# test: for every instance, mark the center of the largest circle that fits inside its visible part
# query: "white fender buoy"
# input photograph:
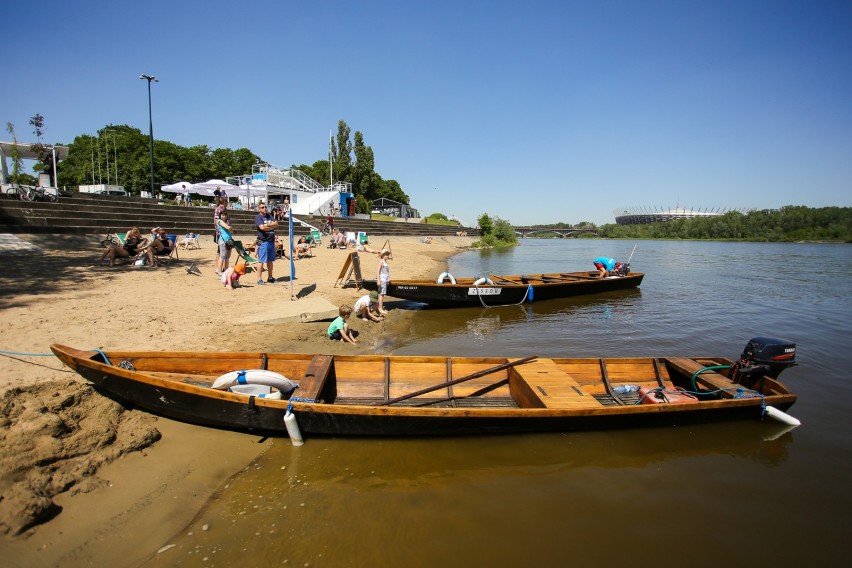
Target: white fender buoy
(255, 377)
(782, 416)
(293, 429)
(483, 280)
(446, 275)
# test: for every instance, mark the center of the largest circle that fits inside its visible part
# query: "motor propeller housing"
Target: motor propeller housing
(765, 356)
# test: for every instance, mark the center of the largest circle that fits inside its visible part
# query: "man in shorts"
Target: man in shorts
(606, 265)
(266, 226)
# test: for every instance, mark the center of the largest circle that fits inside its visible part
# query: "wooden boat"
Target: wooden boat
(449, 292)
(362, 395)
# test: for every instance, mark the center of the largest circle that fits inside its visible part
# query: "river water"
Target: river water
(742, 493)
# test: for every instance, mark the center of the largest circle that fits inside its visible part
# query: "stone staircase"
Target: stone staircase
(91, 214)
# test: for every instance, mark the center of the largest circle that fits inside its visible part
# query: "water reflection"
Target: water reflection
(389, 502)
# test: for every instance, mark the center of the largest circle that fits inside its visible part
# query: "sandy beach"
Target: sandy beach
(88, 482)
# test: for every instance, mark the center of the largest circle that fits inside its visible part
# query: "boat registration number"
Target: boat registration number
(483, 291)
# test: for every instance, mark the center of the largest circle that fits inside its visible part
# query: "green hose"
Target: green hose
(698, 372)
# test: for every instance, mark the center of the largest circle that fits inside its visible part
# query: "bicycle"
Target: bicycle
(30, 193)
(110, 240)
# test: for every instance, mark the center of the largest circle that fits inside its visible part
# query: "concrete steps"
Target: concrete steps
(89, 214)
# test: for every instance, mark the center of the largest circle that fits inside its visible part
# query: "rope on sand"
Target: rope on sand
(26, 354)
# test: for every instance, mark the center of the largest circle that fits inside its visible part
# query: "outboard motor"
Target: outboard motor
(763, 356)
(622, 269)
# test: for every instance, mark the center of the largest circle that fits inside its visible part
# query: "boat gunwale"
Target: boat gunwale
(68, 353)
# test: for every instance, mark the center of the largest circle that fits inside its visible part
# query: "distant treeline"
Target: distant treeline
(788, 224)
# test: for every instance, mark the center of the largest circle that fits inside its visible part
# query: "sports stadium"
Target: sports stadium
(641, 215)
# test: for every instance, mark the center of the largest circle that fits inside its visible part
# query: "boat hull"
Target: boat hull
(193, 403)
(505, 290)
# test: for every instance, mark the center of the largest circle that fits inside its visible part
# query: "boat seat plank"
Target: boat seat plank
(319, 374)
(542, 384)
(185, 378)
(709, 379)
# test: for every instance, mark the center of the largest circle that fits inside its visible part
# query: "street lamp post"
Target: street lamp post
(150, 78)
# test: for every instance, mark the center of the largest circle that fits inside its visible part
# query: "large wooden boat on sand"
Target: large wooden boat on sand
(365, 395)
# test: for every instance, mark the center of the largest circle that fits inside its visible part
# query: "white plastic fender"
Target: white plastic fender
(255, 377)
(446, 275)
(782, 416)
(293, 429)
(483, 280)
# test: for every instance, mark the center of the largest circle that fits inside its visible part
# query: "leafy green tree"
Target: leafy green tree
(486, 225)
(363, 180)
(363, 205)
(17, 162)
(342, 152)
(495, 232)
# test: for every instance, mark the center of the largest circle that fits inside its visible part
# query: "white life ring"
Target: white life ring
(483, 280)
(446, 275)
(255, 377)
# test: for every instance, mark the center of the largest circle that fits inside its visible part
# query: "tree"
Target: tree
(485, 224)
(16, 155)
(362, 178)
(342, 152)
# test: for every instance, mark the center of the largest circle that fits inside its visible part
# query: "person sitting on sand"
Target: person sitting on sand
(133, 242)
(366, 304)
(339, 329)
(231, 276)
(366, 248)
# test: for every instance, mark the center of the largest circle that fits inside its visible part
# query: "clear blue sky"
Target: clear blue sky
(535, 112)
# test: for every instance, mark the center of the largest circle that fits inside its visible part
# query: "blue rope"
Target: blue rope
(106, 359)
(297, 399)
(27, 354)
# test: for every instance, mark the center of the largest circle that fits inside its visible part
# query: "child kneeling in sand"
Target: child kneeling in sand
(366, 304)
(339, 329)
(231, 277)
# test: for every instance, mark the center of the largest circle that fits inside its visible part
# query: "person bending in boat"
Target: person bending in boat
(339, 329)
(606, 265)
(366, 304)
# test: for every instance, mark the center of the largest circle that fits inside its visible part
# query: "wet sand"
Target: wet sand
(86, 481)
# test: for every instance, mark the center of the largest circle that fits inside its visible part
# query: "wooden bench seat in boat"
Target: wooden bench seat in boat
(708, 379)
(319, 382)
(542, 384)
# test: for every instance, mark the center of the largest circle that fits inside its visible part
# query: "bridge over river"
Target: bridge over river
(561, 232)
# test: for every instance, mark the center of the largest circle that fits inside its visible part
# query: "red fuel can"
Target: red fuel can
(667, 396)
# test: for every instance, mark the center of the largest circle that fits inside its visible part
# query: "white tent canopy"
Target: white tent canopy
(178, 187)
(208, 187)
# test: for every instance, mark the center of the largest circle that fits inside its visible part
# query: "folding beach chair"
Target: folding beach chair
(362, 238)
(190, 241)
(315, 238)
(243, 254)
(166, 257)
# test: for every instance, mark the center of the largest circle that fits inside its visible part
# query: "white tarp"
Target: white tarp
(179, 187)
(208, 187)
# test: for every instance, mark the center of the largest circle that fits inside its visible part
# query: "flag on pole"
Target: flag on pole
(292, 264)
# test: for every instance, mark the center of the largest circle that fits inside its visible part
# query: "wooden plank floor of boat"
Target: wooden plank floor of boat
(548, 386)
